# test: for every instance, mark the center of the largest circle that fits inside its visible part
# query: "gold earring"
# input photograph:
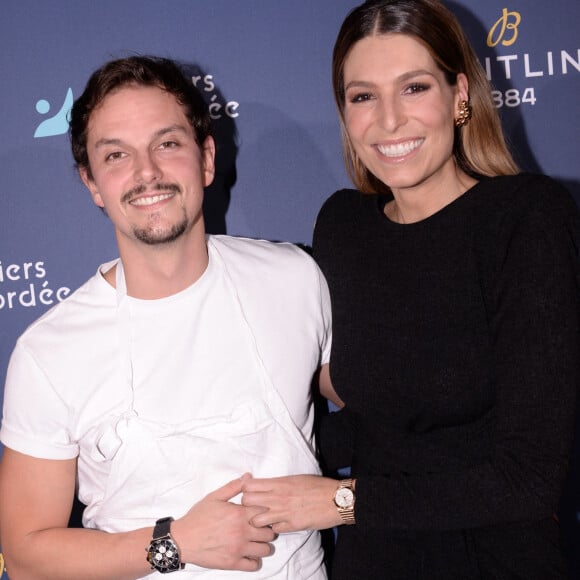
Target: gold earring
(465, 112)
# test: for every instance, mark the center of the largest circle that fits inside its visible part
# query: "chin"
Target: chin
(401, 184)
(154, 237)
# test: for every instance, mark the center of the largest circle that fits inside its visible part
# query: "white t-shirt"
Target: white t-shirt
(88, 364)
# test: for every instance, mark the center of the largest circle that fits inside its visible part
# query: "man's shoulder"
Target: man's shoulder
(265, 265)
(264, 253)
(60, 321)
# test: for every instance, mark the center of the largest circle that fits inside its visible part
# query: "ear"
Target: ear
(208, 161)
(91, 186)
(461, 90)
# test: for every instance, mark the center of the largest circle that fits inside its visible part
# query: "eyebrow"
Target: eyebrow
(402, 78)
(160, 133)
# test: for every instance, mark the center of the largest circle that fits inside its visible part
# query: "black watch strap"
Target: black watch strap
(162, 527)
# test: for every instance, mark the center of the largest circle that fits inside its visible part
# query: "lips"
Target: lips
(151, 199)
(401, 149)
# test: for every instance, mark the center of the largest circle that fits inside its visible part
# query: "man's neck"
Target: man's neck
(153, 272)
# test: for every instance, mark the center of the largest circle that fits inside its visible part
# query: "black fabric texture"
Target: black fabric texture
(456, 348)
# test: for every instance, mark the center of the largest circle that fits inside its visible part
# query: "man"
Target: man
(169, 374)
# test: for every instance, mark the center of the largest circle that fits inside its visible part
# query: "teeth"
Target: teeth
(151, 200)
(399, 149)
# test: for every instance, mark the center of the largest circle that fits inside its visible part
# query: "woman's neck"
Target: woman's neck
(414, 204)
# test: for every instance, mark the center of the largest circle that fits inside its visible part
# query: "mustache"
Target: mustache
(139, 189)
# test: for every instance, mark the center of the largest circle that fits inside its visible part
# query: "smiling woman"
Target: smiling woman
(456, 322)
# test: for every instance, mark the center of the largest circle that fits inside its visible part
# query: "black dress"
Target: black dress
(456, 348)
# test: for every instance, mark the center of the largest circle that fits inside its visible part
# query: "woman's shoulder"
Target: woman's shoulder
(336, 207)
(341, 199)
(524, 190)
(511, 198)
(336, 220)
(521, 205)
(346, 204)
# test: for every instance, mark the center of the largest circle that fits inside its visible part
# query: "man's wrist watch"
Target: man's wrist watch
(163, 553)
(344, 499)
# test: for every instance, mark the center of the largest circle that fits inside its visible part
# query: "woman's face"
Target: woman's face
(399, 113)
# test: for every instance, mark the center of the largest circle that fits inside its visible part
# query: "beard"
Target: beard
(154, 234)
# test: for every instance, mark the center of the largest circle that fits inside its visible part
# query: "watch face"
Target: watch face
(163, 555)
(344, 497)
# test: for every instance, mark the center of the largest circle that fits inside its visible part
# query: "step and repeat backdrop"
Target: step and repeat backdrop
(264, 68)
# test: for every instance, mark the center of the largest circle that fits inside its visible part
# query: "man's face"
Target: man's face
(148, 172)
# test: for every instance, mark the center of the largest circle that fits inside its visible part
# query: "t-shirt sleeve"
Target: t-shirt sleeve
(535, 334)
(34, 416)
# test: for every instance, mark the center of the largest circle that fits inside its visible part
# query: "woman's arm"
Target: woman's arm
(535, 335)
(326, 388)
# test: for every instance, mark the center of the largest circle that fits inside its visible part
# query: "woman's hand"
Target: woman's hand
(295, 502)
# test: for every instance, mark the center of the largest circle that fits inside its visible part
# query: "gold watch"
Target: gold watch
(344, 499)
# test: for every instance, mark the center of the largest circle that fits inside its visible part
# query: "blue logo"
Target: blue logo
(57, 124)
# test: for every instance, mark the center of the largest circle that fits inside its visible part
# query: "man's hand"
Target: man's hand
(35, 503)
(216, 533)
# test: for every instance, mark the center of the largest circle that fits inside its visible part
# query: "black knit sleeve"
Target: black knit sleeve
(336, 429)
(336, 440)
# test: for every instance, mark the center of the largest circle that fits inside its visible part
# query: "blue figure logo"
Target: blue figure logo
(57, 124)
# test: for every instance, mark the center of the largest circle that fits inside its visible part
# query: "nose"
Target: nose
(391, 114)
(146, 168)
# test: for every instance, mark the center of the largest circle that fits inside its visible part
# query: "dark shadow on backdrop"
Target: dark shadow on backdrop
(218, 194)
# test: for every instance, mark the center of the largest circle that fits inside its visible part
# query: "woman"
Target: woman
(455, 352)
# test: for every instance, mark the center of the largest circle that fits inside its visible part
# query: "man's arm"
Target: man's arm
(36, 498)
